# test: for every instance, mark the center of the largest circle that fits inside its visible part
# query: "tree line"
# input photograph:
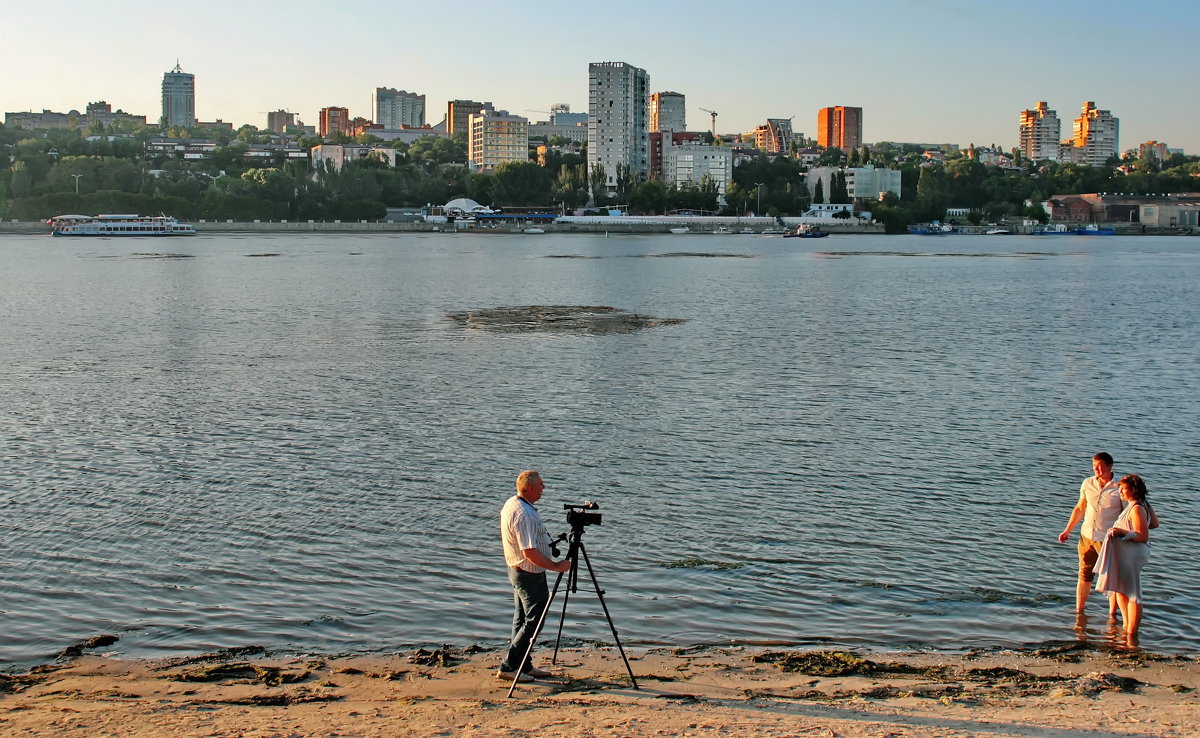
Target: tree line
(49, 172)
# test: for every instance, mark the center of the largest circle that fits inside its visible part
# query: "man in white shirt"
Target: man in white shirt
(527, 553)
(1098, 507)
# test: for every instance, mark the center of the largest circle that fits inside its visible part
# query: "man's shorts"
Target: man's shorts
(1089, 554)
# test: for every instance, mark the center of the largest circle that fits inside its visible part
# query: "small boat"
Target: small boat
(997, 232)
(119, 225)
(933, 229)
(771, 231)
(747, 231)
(722, 229)
(1095, 230)
(805, 231)
(1055, 229)
(534, 230)
(681, 229)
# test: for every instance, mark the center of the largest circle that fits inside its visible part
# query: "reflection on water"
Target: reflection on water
(304, 452)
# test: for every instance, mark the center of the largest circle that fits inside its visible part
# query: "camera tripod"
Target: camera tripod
(574, 549)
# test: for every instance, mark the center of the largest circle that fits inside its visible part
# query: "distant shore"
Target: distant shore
(617, 225)
(1062, 692)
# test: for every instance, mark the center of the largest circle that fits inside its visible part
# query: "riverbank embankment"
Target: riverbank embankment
(630, 225)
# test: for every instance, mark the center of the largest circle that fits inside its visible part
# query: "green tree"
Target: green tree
(650, 198)
(839, 192)
(21, 183)
(625, 184)
(892, 214)
(598, 184)
(521, 183)
(570, 186)
(933, 194)
(819, 192)
(831, 157)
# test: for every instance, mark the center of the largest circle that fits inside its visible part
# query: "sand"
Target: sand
(1053, 693)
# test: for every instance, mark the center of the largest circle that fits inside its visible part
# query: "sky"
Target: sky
(924, 71)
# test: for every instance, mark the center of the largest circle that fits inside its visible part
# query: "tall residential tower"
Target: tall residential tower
(1040, 131)
(667, 112)
(840, 127)
(1095, 136)
(398, 108)
(178, 98)
(618, 120)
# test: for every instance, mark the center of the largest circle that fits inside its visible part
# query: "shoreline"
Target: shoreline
(632, 226)
(1063, 692)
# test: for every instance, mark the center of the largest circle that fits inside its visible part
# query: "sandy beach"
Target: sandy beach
(1056, 692)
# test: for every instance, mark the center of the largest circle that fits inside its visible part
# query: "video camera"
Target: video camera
(577, 518)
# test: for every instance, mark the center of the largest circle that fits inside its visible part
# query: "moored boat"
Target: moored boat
(933, 229)
(1054, 229)
(805, 231)
(1094, 230)
(680, 229)
(119, 225)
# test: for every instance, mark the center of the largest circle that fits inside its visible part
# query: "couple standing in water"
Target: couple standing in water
(1113, 542)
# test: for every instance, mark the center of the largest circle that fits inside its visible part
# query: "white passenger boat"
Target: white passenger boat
(119, 225)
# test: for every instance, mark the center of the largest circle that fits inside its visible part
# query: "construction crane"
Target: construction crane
(713, 113)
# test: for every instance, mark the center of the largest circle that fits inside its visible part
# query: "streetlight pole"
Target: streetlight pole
(76, 176)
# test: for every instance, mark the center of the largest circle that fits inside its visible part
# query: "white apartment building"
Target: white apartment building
(618, 120)
(496, 137)
(668, 112)
(866, 183)
(1095, 136)
(1040, 133)
(693, 163)
(337, 155)
(398, 108)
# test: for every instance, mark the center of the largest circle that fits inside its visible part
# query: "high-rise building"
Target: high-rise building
(178, 98)
(696, 164)
(334, 120)
(398, 108)
(667, 112)
(839, 127)
(280, 120)
(1095, 136)
(618, 120)
(458, 115)
(1154, 150)
(1040, 131)
(775, 137)
(496, 138)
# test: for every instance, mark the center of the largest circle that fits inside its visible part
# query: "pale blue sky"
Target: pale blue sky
(956, 71)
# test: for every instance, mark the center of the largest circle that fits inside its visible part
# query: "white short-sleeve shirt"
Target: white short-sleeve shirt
(1103, 506)
(521, 528)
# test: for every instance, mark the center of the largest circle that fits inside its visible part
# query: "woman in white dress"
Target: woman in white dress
(1128, 544)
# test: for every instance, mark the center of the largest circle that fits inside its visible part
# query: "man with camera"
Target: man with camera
(527, 553)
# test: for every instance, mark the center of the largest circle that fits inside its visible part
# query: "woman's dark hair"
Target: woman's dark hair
(1137, 488)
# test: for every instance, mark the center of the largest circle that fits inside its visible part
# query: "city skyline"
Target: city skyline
(945, 71)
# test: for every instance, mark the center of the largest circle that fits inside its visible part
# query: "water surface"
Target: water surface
(287, 440)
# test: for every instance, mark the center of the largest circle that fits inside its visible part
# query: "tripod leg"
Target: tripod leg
(572, 584)
(563, 617)
(536, 632)
(613, 628)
